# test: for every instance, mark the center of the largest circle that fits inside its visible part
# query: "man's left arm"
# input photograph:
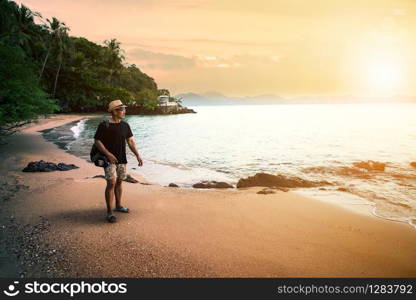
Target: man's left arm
(132, 146)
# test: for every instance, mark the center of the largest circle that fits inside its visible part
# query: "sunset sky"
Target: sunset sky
(246, 48)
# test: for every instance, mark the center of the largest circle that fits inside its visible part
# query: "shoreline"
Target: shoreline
(177, 232)
(349, 201)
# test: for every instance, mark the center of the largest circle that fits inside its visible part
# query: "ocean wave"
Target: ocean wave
(390, 187)
(78, 128)
(363, 170)
(63, 136)
(170, 164)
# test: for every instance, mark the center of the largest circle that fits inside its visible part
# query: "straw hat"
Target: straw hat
(115, 104)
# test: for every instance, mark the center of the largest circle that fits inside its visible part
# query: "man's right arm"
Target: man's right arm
(104, 151)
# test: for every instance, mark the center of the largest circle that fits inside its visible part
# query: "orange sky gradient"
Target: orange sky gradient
(245, 48)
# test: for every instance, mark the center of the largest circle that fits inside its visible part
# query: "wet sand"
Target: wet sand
(174, 232)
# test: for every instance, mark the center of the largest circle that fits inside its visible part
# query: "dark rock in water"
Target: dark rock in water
(130, 179)
(173, 185)
(269, 180)
(206, 184)
(356, 172)
(266, 191)
(44, 166)
(361, 169)
(370, 165)
(341, 171)
(283, 189)
(272, 190)
(413, 164)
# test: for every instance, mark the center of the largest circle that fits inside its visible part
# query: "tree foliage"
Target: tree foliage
(44, 69)
(21, 98)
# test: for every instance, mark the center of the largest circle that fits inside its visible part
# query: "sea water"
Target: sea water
(310, 141)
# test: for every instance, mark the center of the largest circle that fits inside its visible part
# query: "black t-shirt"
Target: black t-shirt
(114, 138)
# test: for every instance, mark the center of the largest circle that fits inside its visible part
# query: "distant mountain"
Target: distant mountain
(216, 98)
(213, 94)
(265, 97)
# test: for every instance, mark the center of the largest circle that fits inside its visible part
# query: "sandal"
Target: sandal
(111, 218)
(122, 209)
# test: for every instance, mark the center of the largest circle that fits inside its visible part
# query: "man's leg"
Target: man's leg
(109, 193)
(118, 191)
(110, 176)
(121, 175)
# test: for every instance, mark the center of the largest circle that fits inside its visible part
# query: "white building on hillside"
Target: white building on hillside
(164, 101)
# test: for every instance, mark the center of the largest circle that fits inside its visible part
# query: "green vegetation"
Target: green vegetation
(45, 70)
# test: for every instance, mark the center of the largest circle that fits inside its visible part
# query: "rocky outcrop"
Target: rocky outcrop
(266, 191)
(272, 190)
(128, 178)
(341, 171)
(370, 165)
(160, 110)
(135, 109)
(269, 180)
(131, 179)
(173, 185)
(44, 166)
(98, 176)
(212, 185)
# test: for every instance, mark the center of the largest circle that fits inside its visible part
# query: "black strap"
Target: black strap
(106, 123)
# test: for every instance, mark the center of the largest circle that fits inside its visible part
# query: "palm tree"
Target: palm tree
(25, 27)
(114, 57)
(59, 33)
(17, 27)
(178, 100)
(46, 43)
(20, 28)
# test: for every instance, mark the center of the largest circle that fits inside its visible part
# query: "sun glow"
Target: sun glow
(383, 65)
(384, 72)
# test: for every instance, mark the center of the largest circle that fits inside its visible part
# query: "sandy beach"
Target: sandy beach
(174, 232)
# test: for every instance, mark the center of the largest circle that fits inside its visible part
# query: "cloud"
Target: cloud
(235, 61)
(156, 60)
(171, 4)
(162, 61)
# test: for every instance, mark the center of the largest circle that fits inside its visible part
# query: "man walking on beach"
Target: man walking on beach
(111, 141)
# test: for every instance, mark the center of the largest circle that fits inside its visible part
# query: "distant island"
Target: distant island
(216, 98)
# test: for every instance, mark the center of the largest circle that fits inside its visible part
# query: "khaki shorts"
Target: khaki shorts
(116, 170)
